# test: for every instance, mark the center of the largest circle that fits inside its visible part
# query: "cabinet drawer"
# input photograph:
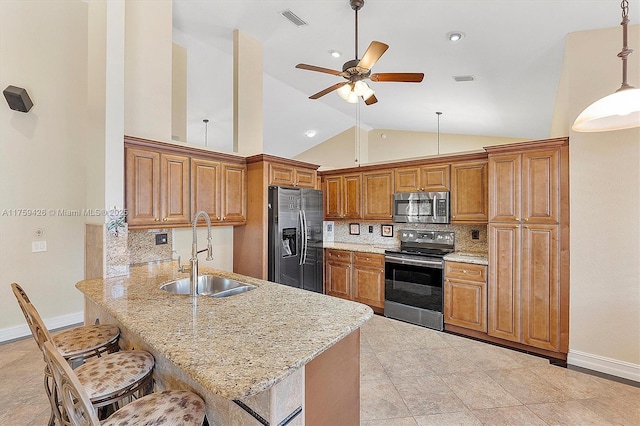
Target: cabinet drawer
(368, 259)
(466, 271)
(339, 256)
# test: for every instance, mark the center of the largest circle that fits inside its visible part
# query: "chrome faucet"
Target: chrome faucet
(193, 268)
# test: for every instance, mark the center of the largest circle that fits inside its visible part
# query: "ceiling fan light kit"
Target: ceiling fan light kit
(620, 110)
(357, 70)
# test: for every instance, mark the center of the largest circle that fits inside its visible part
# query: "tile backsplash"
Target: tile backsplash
(464, 242)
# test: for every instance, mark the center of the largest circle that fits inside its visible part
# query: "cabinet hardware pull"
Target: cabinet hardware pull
(526, 219)
(156, 219)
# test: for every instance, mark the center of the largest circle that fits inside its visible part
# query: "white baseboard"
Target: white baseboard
(605, 365)
(11, 333)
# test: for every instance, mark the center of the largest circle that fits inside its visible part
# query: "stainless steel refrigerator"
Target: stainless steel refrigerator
(295, 237)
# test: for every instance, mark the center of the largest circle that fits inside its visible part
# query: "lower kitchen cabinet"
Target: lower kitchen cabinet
(465, 295)
(355, 276)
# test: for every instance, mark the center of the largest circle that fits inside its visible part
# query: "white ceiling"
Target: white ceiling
(513, 48)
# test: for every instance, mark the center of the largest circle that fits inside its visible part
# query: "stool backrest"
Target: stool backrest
(77, 407)
(38, 329)
(23, 301)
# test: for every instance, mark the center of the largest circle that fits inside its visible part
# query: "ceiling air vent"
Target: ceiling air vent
(460, 78)
(293, 18)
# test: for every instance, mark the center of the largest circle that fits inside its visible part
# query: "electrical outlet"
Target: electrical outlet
(38, 246)
(161, 239)
(371, 229)
(475, 234)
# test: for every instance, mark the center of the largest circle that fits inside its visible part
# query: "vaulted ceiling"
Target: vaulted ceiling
(513, 49)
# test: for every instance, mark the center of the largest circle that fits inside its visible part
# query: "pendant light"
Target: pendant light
(620, 110)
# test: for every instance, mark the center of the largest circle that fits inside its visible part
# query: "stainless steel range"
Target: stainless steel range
(414, 277)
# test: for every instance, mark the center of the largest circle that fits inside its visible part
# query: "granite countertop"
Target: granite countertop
(234, 346)
(365, 248)
(468, 257)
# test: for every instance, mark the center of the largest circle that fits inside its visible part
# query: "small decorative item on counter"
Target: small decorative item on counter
(116, 223)
(386, 230)
(354, 228)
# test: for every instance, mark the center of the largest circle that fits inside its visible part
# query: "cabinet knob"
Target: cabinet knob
(217, 217)
(165, 219)
(526, 219)
(517, 218)
(224, 218)
(156, 219)
(464, 271)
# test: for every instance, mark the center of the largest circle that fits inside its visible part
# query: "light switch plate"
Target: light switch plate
(38, 246)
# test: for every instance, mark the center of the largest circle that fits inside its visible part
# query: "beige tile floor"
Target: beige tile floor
(410, 376)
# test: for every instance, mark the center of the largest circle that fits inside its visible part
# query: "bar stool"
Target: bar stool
(76, 344)
(167, 408)
(108, 379)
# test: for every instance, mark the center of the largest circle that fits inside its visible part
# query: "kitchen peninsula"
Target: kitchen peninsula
(271, 353)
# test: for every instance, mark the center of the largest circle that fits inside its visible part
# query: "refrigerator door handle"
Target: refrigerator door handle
(305, 234)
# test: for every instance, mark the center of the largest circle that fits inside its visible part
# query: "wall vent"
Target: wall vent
(460, 78)
(293, 18)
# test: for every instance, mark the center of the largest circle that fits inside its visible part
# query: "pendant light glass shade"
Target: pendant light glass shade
(618, 111)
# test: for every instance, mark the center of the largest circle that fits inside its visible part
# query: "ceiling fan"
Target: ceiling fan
(358, 70)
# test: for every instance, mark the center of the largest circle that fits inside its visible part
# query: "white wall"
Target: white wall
(605, 209)
(43, 48)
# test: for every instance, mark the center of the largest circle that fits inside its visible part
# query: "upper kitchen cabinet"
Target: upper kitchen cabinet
(377, 188)
(469, 196)
(157, 188)
(525, 187)
(288, 175)
(166, 184)
(342, 196)
(426, 178)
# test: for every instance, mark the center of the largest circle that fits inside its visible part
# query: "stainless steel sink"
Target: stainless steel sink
(208, 285)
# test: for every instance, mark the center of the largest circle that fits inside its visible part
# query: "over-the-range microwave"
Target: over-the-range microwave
(421, 207)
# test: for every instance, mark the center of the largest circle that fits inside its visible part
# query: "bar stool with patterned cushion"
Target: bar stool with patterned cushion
(76, 344)
(108, 379)
(174, 408)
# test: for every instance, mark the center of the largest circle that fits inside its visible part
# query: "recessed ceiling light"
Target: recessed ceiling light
(335, 53)
(455, 35)
(310, 133)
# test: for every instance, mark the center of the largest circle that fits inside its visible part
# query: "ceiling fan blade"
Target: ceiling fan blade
(371, 100)
(319, 69)
(373, 53)
(404, 77)
(328, 90)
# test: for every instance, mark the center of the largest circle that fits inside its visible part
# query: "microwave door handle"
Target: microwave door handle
(434, 206)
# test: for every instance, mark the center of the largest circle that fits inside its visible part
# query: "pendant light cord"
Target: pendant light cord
(625, 49)
(438, 113)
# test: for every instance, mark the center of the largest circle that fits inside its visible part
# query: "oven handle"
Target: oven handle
(405, 261)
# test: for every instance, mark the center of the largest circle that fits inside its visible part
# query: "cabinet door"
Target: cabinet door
(407, 179)
(541, 187)
(368, 279)
(142, 186)
(465, 304)
(305, 178)
(540, 286)
(338, 276)
(234, 206)
(205, 188)
(504, 281)
(469, 192)
(378, 195)
(174, 189)
(434, 178)
(352, 198)
(505, 188)
(281, 175)
(333, 197)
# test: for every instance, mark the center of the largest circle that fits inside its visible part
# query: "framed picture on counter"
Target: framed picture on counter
(386, 230)
(354, 228)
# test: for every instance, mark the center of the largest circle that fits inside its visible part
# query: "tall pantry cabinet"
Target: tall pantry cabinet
(528, 287)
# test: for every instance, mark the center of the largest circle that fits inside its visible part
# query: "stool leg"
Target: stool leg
(52, 394)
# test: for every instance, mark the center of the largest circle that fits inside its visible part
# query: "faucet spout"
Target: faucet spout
(193, 279)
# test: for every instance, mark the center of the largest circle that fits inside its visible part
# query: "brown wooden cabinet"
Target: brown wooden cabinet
(378, 195)
(528, 284)
(426, 178)
(338, 273)
(355, 276)
(368, 279)
(166, 184)
(287, 175)
(469, 196)
(156, 188)
(342, 196)
(465, 295)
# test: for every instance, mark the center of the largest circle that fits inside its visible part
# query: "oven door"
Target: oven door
(414, 290)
